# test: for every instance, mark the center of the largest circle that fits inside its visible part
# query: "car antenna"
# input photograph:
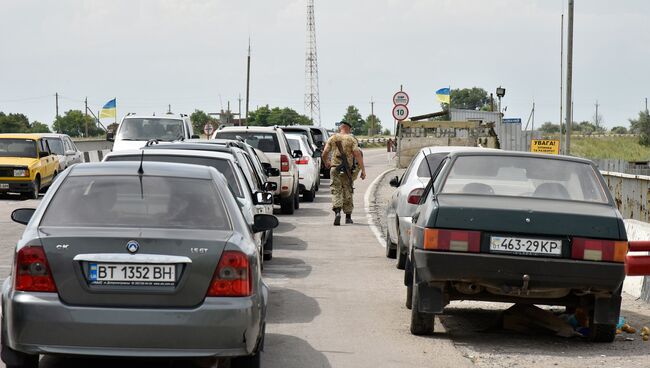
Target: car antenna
(140, 173)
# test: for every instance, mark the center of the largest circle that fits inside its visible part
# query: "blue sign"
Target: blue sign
(512, 121)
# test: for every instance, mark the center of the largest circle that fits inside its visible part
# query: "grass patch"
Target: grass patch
(619, 148)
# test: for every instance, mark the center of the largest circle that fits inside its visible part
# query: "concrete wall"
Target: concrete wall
(630, 193)
(93, 145)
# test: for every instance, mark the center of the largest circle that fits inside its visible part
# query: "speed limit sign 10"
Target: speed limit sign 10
(400, 112)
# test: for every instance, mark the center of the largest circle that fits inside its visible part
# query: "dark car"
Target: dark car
(518, 228)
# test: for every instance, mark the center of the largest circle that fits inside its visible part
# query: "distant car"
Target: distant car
(308, 166)
(517, 227)
(136, 260)
(273, 142)
(65, 149)
(227, 163)
(27, 164)
(310, 134)
(320, 135)
(135, 131)
(406, 197)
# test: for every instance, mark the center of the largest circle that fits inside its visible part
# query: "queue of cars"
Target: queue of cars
(503, 226)
(156, 251)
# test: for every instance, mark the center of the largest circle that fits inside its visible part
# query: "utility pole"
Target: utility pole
(248, 79)
(56, 98)
(86, 120)
(561, 73)
(169, 109)
(646, 106)
(372, 114)
(596, 118)
(569, 80)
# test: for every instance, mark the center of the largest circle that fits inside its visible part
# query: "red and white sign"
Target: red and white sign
(401, 98)
(400, 112)
(208, 129)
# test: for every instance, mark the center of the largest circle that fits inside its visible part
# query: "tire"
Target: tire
(33, 194)
(251, 361)
(409, 297)
(391, 251)
(401, 256)
(15, 359)
(599, 332)
(287, 206)
(422, 324)
(268, 247)
(296, 199)
(309, 196)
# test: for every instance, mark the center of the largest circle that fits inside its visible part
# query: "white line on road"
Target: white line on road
(371, 222)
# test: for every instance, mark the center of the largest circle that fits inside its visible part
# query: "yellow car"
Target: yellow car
(26, 164)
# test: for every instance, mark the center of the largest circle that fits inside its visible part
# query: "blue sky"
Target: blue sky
(191, 54)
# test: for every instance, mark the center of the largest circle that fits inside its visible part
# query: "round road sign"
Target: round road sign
(400, 98)
(400, 112)
(208, 129)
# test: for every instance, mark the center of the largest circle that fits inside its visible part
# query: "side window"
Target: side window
(256, 177)
(43, 146)
(408, 170)
(287, 147)
(66, 144)
(248, 172)
(433, 185)
(71, 144)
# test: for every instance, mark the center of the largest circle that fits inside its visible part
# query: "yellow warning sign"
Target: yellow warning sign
(549, 146)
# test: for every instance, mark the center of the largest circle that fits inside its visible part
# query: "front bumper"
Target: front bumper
(16, 186)
(434, 266)
(39, 323)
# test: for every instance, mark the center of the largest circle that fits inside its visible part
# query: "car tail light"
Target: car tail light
(304, 160)
(232, 277)
(415, 195)
(452, 240)
(599, 250)
(284, 163)
(32, 271)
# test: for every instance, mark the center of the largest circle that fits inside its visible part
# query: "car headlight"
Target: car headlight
(21, 172)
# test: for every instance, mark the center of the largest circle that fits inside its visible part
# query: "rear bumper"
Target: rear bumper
(286, 186)
(220, 327)
(21, 186)
(509, 270)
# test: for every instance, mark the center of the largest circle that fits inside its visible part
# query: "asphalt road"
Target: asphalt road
(337, 301)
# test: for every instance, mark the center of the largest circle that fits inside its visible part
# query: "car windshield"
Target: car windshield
(265, 142)
(141, 202)
(524, 177)
(17, 148)
(56, 146)
(144, 129)
(222, 165)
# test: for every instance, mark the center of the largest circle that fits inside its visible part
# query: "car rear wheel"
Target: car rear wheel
(287, 205)
(296, 199)
(268, 247)
(15, 359)
(251, 361)
(391, 251)
(309, 196)
(421, 323)
(401, 255)
(599, 332)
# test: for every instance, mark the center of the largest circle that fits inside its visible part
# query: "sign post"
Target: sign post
(400, 112)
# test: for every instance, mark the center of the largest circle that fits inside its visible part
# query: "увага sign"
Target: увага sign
(548, 146)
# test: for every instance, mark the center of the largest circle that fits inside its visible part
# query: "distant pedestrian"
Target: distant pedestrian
(345, 151)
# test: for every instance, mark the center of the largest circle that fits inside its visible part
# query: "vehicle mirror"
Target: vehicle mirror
(195, 136)
(272, 171)
(43, 154)
(69, 153)
(318, 153)
(264, 197)
(297, 154)
(270, 186)
(22, 215)
(394, 182)
(264, 222)
(110, 136)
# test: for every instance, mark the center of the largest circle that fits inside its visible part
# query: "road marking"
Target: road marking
(371, 223)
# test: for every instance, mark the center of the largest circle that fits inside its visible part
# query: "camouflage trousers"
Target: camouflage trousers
(341, 191)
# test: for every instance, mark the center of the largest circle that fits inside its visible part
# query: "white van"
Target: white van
(135, 131)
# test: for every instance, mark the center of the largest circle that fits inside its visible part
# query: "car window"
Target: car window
(17, 148)
(144, 129)
(433, 159)
(248, 172)
(249, 163)
(56, 145)
(131, 201)
(265, 142)
(222, 165)
(70, 144)
(294, 144)
(43, 146)
(516, 176)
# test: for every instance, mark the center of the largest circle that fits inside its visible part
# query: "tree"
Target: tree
(265, 116)
(74, 123)
(13, 123)
(199, 119)
(38, 127)
(469, 98)
(641, 126)
(619, 130)
(372, 125)
(353, 117)
(550, 128)
(386, 132)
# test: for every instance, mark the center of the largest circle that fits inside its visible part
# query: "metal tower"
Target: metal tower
(312, 98)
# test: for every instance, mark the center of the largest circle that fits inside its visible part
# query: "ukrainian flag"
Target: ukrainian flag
(444, 95)
(109, 110)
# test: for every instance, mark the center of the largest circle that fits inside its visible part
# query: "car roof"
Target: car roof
(306, 128)
(52, 135)
(247, 128)
(449, 149)
(150, 168)
(170, 117)
(495, 152)
(189, 147)
(174, 152)
(21, 135)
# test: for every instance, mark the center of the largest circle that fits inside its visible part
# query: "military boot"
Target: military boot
(337, 217)
(348, 218)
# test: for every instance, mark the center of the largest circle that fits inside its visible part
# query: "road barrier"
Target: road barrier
(95, 156)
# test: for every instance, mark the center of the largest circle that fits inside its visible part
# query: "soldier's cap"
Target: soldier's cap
(342, 122)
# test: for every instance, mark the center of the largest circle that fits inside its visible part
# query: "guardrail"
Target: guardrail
(373, 140)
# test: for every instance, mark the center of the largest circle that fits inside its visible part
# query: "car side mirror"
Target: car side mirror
(69, 153)
(394, 182)
(110, 136)
(264, 222)
(318, 153)
(270, 186)
(297, 154)
(43, 154)
(22, 215)
(195, 136)
(264, 197)
(272, 171)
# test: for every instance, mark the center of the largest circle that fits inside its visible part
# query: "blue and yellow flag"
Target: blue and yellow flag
(444, 95)
(109, 110)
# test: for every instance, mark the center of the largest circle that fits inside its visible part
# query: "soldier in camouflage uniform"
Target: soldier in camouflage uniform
(341, 185)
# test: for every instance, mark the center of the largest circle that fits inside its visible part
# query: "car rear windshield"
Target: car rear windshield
(144, 129)
(17, 148)
(434, 160)
(223, 166)
(524, 177)
(265, 142)
(132, 201)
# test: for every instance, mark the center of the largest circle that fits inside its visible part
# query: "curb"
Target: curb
(371, 190)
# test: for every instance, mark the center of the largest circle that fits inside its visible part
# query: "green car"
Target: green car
(518, 228)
